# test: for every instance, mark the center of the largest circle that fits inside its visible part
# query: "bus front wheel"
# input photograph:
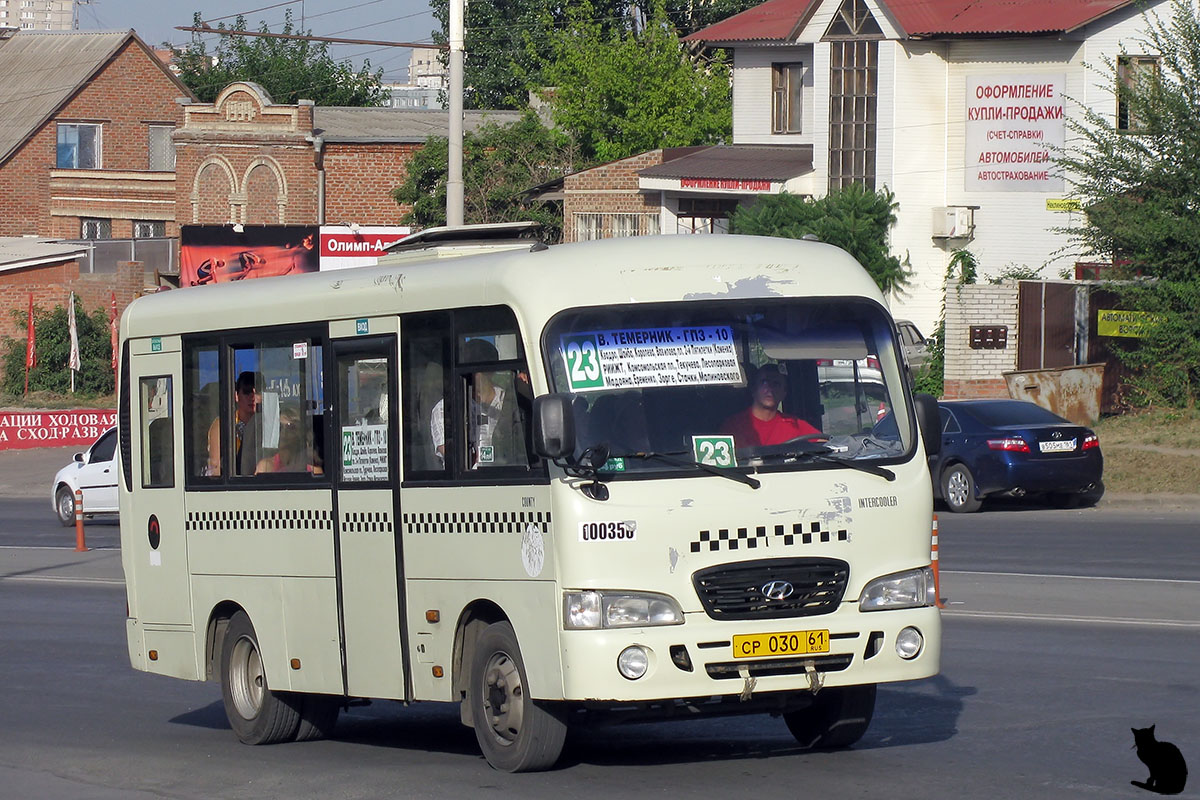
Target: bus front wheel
(838, 717)
(515, 733)
(257, 714)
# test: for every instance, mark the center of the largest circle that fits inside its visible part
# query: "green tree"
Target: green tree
(289, 69)
(1140, 186)
(852, 218)
(499, 163)
(51, 374)
(621, 93)
(1164, 362)
(508, 44)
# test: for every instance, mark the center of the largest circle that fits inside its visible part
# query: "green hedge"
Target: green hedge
(51, 374)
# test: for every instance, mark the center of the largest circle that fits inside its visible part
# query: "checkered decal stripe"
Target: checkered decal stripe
(367, 522)
(279, 519)
(476, 522)
(743, 538)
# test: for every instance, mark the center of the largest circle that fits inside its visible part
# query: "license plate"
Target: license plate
(1057, 447)
(788, 643)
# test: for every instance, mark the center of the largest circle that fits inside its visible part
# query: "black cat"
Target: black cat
(1168, 772)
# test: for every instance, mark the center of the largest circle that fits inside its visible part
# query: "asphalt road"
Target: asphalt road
(1063, 630)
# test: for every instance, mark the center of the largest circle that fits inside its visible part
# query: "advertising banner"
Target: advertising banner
(219, 254)
(1012, 123)
(344, 246)
(24, 430)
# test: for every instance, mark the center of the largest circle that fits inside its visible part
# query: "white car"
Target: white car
(93, 472)
(915, 346)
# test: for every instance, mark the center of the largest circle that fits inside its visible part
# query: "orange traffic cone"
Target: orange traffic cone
(882, 412)
(933, 559)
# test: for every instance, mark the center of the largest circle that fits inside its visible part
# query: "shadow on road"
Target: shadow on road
(905, 714)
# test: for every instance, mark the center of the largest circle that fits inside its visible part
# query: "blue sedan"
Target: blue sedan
(1010, 447)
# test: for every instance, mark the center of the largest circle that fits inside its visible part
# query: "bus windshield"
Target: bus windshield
(765, 383)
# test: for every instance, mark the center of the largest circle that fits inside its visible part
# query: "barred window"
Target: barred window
(162, 148)
(588, 227)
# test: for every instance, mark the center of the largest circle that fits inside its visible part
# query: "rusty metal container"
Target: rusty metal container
(1073, 393)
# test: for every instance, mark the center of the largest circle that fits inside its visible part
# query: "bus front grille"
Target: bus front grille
(772, 588)
(728, 670)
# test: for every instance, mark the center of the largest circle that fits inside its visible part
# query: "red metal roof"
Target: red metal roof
(774, 20)
(992, 17)
(778, 20)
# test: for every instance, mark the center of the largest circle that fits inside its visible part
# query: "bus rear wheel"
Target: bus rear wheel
(515, 733)
(257, 714)
(838, 717)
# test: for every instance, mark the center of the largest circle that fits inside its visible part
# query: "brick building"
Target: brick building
(49, 271)
(85, 136)
(245, 160)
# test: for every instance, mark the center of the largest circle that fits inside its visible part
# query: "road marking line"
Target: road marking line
(1159, 623)
(1072, 577)
(61, 579)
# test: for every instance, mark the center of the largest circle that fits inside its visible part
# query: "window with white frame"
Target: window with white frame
(787, 81)
(588, 227)
(79, 145)
(162, 148)
(91, 228)
(704, 215)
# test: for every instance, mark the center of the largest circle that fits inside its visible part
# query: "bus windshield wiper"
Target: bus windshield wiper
(824, 453)
(672, 459)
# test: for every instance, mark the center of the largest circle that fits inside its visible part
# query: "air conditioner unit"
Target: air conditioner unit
(953, 222)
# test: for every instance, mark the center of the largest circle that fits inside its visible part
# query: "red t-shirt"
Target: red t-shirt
(750, 431)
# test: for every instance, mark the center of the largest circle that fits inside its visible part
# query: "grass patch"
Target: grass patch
(55, 400)
(1154, 451)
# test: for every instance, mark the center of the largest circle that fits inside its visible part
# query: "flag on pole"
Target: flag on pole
(112, 329)
(30, 345)
(73, 361)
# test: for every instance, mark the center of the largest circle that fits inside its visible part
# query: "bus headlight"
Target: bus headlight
(912, 588)
(591, 610)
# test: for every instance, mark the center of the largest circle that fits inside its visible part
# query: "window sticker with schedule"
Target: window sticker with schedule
(633, 358)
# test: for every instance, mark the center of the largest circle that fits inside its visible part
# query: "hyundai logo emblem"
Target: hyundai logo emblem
(1056, 435)
(777, 590)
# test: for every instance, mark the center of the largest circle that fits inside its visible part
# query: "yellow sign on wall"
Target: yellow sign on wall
(1115, 322)
(1062, 204)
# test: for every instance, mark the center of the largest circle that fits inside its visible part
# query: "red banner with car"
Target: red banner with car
(24, 430)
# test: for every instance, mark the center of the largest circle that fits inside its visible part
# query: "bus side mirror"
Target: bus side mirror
(553, 426)
(930, 423)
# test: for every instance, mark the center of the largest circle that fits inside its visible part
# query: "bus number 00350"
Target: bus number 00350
(607, 531)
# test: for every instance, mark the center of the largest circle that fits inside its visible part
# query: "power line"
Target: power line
(251, 11)
(332, 39)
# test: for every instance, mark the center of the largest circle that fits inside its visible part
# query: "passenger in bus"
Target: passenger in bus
(763, 423)
(495, 427)
(246, 429)
(293, 454)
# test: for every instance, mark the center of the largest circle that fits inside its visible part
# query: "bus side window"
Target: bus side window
(158, 438)
(202, 407)
(425, 368)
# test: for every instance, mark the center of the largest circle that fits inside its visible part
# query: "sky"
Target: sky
(387, 20)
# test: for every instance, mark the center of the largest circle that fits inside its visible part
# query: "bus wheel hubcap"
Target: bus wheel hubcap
(247, 681)
(503, 697)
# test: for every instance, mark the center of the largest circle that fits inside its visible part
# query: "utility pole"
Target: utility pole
(454, 169)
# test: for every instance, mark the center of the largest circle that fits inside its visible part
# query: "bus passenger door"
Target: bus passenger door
(157, 543)
(370, 562)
